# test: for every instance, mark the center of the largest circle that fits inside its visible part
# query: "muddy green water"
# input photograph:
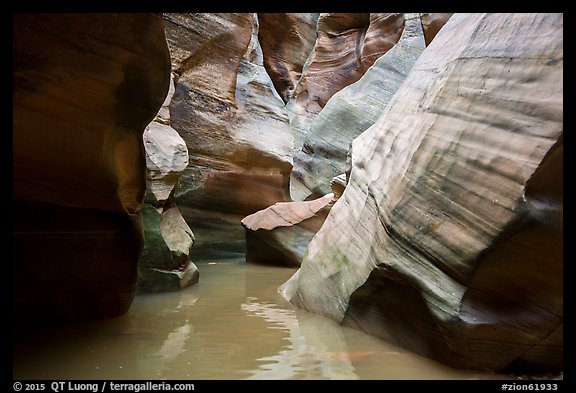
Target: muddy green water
(231, 325)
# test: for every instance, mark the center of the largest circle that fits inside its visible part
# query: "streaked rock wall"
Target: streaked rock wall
(227, 111)
(350, 112)
(448, 237)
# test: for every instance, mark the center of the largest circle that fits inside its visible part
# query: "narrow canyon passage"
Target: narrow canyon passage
(232, 325)
(202, 196)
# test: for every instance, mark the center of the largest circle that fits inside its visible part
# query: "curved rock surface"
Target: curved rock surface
(84, 88)
(432, 23)
(350, 112)
(166, 152)
(448, 237)
(347, 45)
(287, 40)
(279, 234)
(227, 110)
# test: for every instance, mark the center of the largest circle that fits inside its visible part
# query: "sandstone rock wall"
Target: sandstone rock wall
(350, 112)
(347, 45)
(287, 40)
(448, 237)
(347, 114)
(432, 23)
(227, 111)
(84, 88)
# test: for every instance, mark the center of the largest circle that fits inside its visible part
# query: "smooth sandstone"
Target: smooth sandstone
(448, 237)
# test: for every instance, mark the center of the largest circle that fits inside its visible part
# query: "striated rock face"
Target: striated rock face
(350, 112)
(448, 237)
(227, 111)
(165, 263)
(347, 45)
(286, 40)
(278, 235)
(84, 88)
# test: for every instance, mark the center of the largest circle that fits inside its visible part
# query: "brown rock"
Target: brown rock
(287, 40)
(346, 46)
(206, 50)
(448, 237)
(84, 88)
(227, 111)
(350, 112)
(432, 23)
(54, 68)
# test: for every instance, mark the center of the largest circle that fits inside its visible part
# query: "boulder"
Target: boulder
(279, 234)
(164, 263)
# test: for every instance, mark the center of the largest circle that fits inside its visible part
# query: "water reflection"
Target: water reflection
(232, 325)
(308, 355)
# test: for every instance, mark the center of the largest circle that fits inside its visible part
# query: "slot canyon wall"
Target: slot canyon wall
(448, 237)
(248, 90)
(226, 109)
(85, 86)
(470, 128)
(410, 164)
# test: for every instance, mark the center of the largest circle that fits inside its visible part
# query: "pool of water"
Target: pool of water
(231, 325)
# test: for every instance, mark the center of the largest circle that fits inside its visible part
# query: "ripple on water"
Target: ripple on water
(231, 325)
